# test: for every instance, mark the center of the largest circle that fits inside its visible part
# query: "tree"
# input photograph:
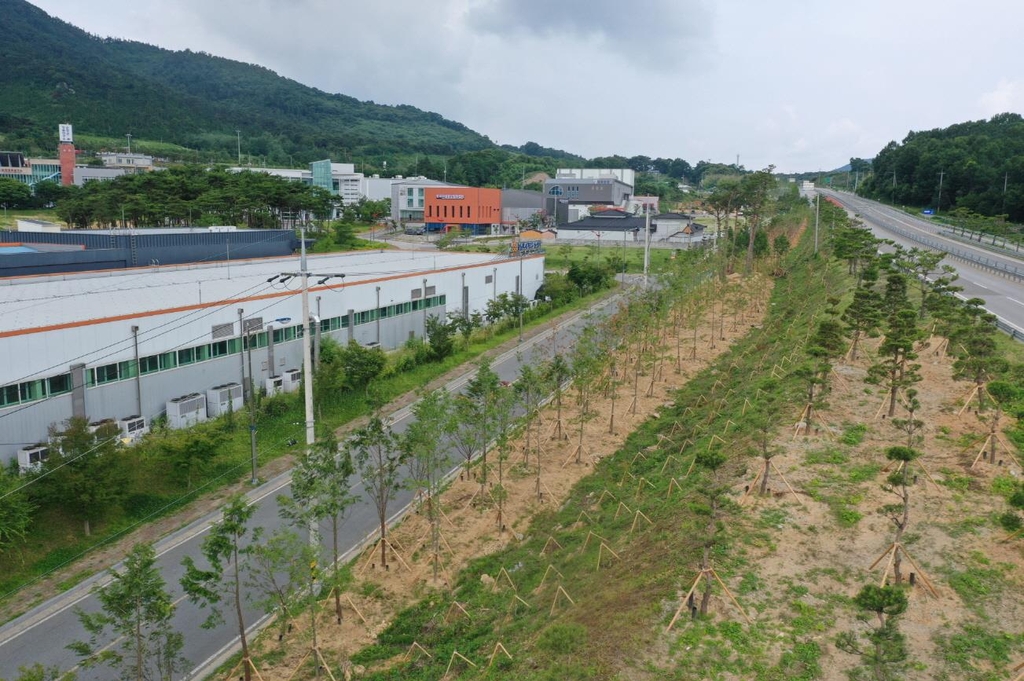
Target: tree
(973, 342)
(276, 571)
(899, 484)
(378, 459)
(863, 316)
(423, 445)
(887, 649)
(530, 389)
(557, 372)
(320, 490)
(439, 337)
(222, 549)
(189, 452)
(475, 411)
(86, 474)
(756, 191)
(14, 194)
(361, 364)
(137, 608)
(893, 369)
(15, 510)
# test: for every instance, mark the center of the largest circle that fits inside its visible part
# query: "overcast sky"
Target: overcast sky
(799, 85)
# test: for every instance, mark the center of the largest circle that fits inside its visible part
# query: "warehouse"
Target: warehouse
(128, 344)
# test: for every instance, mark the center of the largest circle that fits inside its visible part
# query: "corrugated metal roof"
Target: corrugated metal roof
(45, 301)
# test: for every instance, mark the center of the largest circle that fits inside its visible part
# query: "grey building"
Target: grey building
(408, 198)
(519, 204)
(563, 192)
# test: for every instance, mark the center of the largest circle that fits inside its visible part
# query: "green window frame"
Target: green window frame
(9, 394)
(168, 360)
(278, 335)
(234, 346)
(127, 370)
(149, 365)
(219, 349)
(59, 384)
(186, 356)
(202, 353)
(32, 390)
(106, 374)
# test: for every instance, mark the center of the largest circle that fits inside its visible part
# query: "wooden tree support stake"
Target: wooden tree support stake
(619, 510)
(604, 493)
(452, 608)
(512, 604)
(508, 578)
(891, 554)
(672, 483)
(416, 647)
(581, 516)
(711, 441)
(451, 661)
(551, 568)
(252, 666)
(587, 540)
(639, 455)
(600, 553)
(551, 542)
(371, 554)
(636, 518)
(554, 602)
(977, 390)
(498, 648)
(319, 660)
(693, 587)
(624, 476)
(668, 459)
(640, 485)
(999, 440)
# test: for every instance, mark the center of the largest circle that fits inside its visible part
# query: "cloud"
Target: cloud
(1008, 96)
(657, 33)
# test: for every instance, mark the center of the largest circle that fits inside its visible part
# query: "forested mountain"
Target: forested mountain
(53, 72)
(976, 160)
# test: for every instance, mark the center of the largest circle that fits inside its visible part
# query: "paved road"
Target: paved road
(1003, 296)
(41, 634)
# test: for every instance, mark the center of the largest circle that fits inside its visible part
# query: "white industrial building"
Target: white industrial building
(131, 345)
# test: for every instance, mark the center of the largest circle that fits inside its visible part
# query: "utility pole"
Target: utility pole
(938, 204)
(647, 243)
(129, 136)
(893, 187)
(817, 213)
(1006, 178)
(238, 138)
(519, 287)
(307, 346)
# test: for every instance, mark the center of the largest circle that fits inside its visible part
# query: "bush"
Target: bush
(562, 639)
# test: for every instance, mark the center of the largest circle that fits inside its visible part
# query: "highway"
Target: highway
(1003, 293)
(41, 634)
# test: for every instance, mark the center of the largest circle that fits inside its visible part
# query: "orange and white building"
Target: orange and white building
(474, 209)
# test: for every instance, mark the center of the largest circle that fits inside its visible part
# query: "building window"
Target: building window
(148, 365)
(106, 374)
(168, 360)
(219, 349)
(234, 346)
(186, 356)
(58, 385)
(127, 369)
(8, 395)
(202, 353)
(555, 191)
(408, 202)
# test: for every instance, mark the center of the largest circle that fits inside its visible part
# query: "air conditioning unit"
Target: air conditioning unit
(186, 410)
(274, 385)
(96, 425)
(221, 399)
(31, 459)
(292, 380)
(133, 427)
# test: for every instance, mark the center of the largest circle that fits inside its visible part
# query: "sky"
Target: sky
(799, 85)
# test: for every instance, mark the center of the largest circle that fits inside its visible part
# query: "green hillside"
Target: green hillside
(980, 163)
(53, 72)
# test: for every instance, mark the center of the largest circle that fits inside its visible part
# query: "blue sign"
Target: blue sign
(927, 211)
(526, 247)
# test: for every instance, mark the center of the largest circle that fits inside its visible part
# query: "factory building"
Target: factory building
(180, 341)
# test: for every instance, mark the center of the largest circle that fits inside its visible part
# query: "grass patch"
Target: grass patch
(832, 455)
(853, 434)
